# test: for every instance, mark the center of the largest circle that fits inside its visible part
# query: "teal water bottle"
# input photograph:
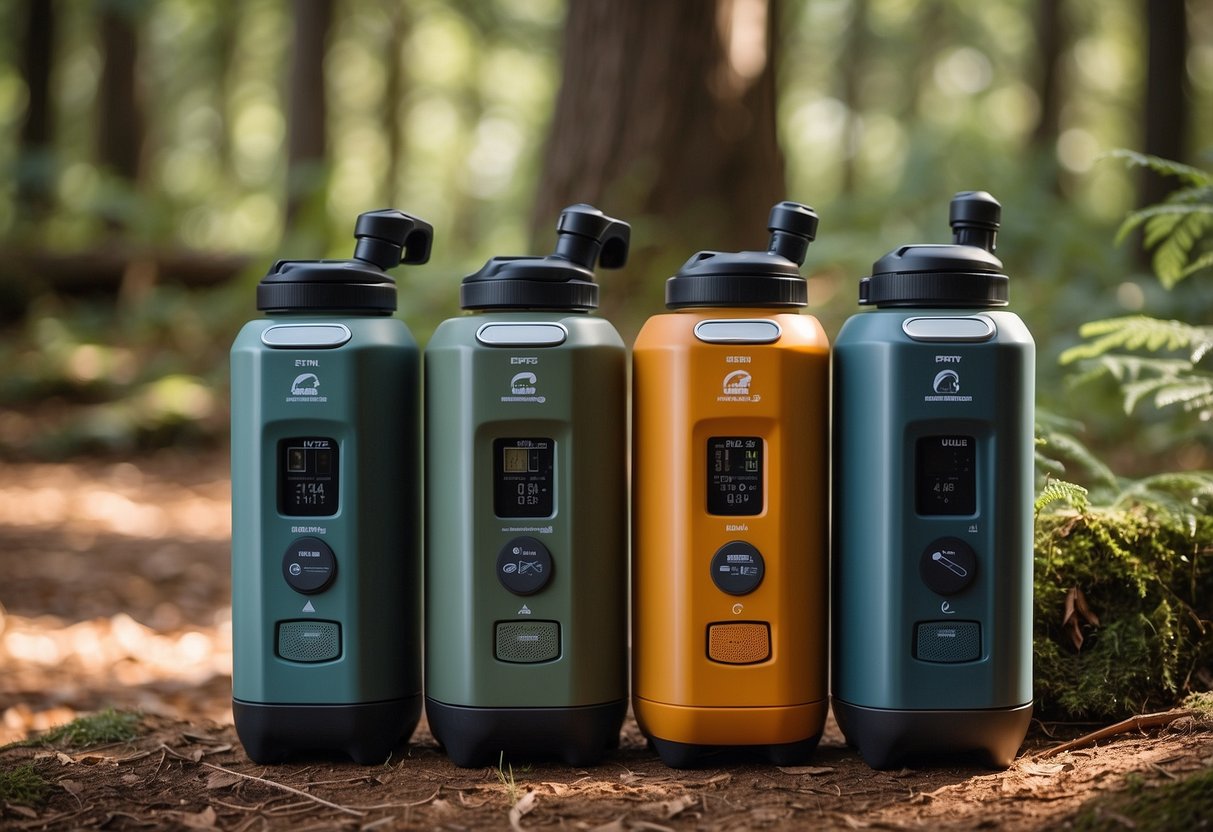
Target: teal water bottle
(526, 511)
(933, 456)
(326, 564)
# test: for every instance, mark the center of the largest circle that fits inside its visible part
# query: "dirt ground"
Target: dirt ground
(114, 592)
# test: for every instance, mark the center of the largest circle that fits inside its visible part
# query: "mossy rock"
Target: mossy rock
(1145, 574)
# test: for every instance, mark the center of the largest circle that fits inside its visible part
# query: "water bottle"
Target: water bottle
(326, 544)
(730, 474)
(933, 443)
(526, 508)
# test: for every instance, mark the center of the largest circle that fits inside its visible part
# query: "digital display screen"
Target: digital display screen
(307, 477)
(735, 475)
(523, 480)
(946, 475)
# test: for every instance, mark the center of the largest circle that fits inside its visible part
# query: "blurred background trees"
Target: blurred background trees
(161, 153)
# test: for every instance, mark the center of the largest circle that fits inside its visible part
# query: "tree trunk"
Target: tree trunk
(307, 136)
(853, 68)
(35, 175)
(1167, 92)
(1052, 39)
(666, 118)
(120, 129)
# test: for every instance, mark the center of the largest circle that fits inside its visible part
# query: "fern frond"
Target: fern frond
(1159, 218)
(1174, 250)
(1203, 262)
(1181, 493)
(1135, 332)
(1165, 167)
(1061, 491)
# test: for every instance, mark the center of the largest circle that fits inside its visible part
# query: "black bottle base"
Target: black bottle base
(686, 755)
(887, 738)
(579, 736)
(366, 732)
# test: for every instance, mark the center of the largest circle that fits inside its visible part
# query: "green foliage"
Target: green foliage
(1058, 491)
(1145, 568)
(96, 729)
(1183, 804)
(1059, 452)
(23, 785)
(1180, 230)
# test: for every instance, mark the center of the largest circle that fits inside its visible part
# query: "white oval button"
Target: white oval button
(302, 336)
(737, 332)
(976, 328)
(522, 335)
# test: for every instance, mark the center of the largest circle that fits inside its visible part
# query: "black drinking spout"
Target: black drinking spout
(975, 217)
(585, 235)
(388, 238)
(793, 226)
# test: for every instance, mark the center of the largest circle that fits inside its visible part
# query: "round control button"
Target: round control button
(524, 566)
(309, 565)
(737, 568)
(948, 565)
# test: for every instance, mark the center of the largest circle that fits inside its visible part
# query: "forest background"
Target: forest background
(159, 155)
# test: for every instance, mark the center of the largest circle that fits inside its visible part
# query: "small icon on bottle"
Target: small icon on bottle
(737, 383)
(946, 562)
(946, 608)
(947, 381)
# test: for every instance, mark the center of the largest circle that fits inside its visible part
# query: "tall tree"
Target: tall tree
(666, 117)
(307, 136)
(1052, 39)
(34, 174)
(1167, 93)
(120, 123)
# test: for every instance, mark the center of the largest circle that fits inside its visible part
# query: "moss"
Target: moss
(1146, 572)
(23, 785)
(1186, 804)
(107, 726)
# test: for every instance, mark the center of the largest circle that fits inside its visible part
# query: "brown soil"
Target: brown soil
(114, 592)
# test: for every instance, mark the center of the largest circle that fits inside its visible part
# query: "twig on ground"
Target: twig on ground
(273, 783)
(1133, 723)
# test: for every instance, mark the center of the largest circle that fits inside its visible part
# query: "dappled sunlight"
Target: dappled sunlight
(117, 590)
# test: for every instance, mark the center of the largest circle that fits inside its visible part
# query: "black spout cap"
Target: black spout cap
(965, 274)
(759, 279)
(563, 280)
(975, 217)
(385, 239)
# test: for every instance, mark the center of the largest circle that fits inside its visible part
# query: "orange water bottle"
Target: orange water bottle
(730, 506)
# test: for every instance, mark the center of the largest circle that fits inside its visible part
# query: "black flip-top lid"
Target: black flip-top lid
(963, 274)
(751, 278)
(563, 280)
(385, 239)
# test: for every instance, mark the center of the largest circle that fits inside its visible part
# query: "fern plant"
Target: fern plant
(1172, 372)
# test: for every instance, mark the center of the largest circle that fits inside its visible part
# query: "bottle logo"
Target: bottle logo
(523, 388)
(946, 382)
(946, 388)
(736, 388)
(306, 388)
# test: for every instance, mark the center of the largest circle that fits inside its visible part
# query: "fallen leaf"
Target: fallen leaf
(558, 789)
(221, 780)
(441, 805)
(131, 779)
(853, 822)
(806, 769)
(1077, 613)
(719, 778)
(72, 787)
(24, 811)
(524, 805)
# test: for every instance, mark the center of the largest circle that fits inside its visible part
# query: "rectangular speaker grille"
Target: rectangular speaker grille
(948, 642)
(739, 642)
(527, 642)
(309, 641)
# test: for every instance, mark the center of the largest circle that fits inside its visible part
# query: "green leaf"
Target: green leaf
(1135, 332)
(1165, 167)
(1061, 491)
